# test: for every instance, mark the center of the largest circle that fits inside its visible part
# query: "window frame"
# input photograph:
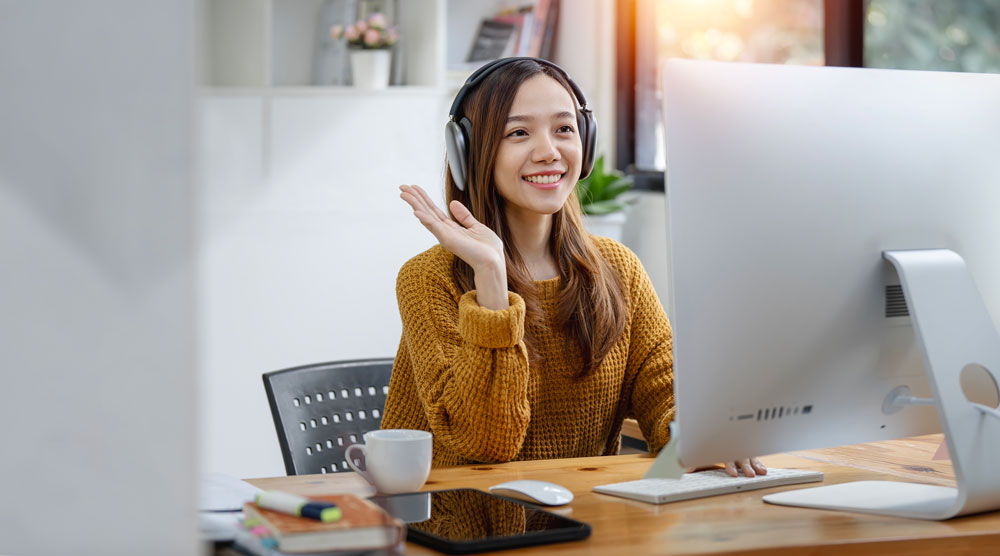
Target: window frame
(843, 45)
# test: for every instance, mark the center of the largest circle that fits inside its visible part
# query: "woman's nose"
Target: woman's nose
(545, 150)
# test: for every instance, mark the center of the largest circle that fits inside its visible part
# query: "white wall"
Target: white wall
(646, 233)
(302, 231)
(585, 48)
(302, 234)
(96, 293)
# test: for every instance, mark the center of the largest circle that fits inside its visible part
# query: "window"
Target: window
(948, 35)
(770, 31)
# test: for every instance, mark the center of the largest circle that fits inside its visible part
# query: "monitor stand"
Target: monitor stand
(953, 330)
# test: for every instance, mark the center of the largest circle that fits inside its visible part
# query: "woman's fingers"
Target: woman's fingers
(750, 467)
(702, 468)
(731, 469)
(745, 467)
(422, 202)
(411, 195)
(414, 203)
(419, 211)
(423, 208)
(407, 194)
(430, 203)
(462, 214)
(404, 194)
(417, 201)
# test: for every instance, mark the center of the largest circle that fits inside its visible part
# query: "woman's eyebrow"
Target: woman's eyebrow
(558, 116)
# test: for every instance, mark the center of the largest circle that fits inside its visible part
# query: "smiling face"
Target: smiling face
(538, 161)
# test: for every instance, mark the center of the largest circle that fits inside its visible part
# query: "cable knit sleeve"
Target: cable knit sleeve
(469, 363)
(650, 359)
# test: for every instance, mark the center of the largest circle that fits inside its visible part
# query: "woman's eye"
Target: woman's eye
(566, 129)
(517, 133)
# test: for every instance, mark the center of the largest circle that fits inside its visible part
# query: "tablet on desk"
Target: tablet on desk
(465, 520)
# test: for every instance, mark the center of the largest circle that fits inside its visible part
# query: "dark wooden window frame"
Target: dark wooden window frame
(843, 45)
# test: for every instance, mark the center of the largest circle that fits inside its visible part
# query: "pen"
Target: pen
(296, 505)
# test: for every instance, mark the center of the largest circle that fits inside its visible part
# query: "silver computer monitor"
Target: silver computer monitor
(788, 191)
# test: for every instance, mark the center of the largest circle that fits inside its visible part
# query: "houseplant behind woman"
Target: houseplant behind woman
(370, 42)
(601, 201)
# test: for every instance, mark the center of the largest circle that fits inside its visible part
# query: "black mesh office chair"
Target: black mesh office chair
(319, 410)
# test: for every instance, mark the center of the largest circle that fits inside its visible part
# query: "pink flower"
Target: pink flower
(351, 33)
(372, 37)
(377, 21)
(336, 31)
(392, 35)
(361, 26)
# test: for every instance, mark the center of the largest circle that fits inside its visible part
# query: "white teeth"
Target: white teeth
(551, 178)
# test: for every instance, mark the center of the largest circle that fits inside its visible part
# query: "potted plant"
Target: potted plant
(369, 41)
(600, 197)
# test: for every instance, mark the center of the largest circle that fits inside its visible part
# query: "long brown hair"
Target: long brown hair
(590, 306)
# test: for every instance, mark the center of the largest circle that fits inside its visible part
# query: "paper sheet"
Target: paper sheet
(220, 493)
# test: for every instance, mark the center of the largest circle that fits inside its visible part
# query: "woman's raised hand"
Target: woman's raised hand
(467, 239)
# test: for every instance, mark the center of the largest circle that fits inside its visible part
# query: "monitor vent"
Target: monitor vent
(895, 302)
(772, 413)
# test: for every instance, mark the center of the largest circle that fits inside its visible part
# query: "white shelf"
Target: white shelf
(275, 43)
(407, 90)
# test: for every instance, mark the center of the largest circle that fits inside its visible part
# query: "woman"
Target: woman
(523, 336)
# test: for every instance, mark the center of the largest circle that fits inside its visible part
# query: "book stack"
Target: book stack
(528, 30)
(362, 527)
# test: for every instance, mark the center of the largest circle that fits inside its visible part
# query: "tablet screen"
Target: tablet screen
(468, 520)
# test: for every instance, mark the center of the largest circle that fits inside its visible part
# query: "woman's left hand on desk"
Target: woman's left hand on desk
(751, 467)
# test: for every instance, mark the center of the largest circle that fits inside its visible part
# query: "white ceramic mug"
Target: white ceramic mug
(397, 460)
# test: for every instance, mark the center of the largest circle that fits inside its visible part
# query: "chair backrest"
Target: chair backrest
(319, 410)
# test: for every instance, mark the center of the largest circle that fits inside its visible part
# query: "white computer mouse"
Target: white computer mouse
(538, 492)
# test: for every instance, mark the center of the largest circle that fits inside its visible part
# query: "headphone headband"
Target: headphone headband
(483, 72)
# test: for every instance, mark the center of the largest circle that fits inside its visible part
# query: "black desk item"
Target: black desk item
(465, 520)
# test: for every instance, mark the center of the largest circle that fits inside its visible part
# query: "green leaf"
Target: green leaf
(617, 188)
(603, 207)
(601, 187)
(597, 185)
(598, 166)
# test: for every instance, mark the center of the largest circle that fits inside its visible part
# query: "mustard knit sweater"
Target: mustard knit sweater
(462, 371)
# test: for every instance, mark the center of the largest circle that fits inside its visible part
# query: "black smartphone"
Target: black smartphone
(466, 520)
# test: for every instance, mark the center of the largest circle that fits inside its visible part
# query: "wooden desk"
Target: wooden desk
(731, 524)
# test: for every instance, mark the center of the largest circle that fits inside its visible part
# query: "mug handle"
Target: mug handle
(350, 461)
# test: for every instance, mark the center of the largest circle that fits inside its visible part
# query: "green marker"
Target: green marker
(297, 505)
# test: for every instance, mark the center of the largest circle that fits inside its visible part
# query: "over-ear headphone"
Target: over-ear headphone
(459, 129)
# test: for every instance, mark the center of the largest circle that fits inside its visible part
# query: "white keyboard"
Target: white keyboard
(704, 483)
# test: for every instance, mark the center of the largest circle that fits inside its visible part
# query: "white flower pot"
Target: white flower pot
(607, 225)
(370, 68)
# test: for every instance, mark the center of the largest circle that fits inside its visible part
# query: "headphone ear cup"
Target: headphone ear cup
(588, 135)
(456, 141)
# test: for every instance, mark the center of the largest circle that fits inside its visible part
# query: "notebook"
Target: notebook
(363, 526)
